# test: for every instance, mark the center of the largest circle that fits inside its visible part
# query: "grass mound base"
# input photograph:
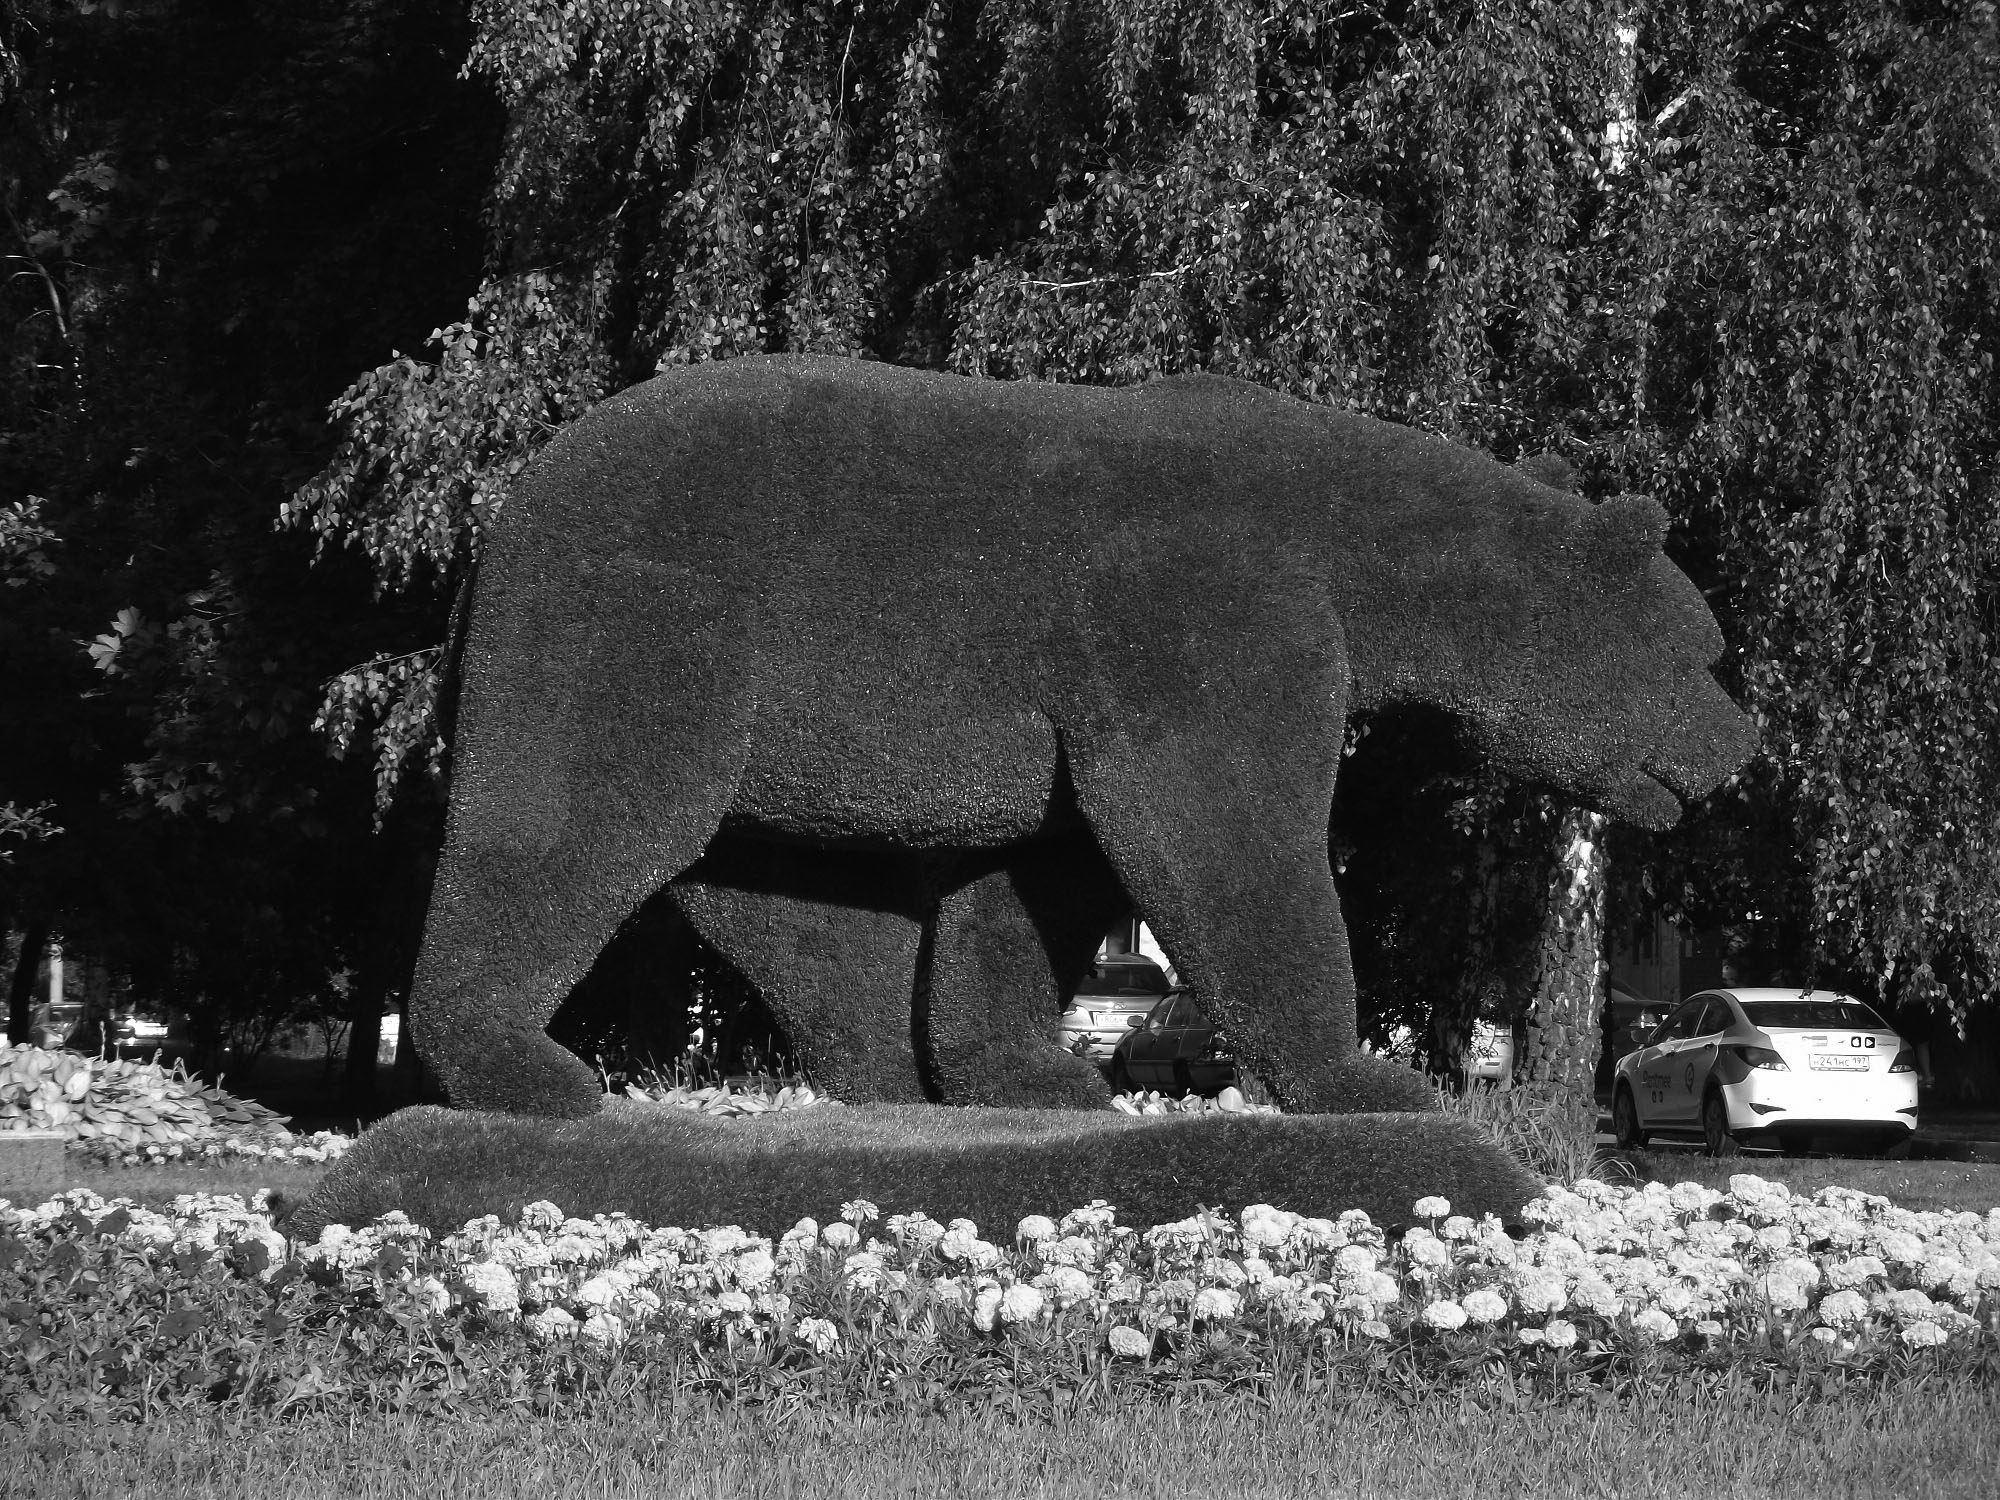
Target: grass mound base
(995, 1166)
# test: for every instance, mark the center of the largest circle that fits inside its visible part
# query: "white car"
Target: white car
(1768, 1066)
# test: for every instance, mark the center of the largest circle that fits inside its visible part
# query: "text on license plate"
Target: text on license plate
(1838, 1062)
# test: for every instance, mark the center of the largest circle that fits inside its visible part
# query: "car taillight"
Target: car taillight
(1906, 1062)
(1217, 1044)
(1762, 1057)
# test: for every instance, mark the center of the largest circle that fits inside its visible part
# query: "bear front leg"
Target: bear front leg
(1005, 948)
(1203, 751)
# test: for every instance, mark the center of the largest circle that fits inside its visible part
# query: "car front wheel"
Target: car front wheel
(1715, 1126)
(1625, 1121)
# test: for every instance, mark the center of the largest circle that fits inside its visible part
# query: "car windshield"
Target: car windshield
(1124, 980)
(1841, 1015)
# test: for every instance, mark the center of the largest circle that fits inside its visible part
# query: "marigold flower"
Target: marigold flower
(1924, 1335)
(1559, 1333)
(541, 1215)
(1444, 1314)
(817, 1334)
(1130, 1343)
(986, 1307)
(1034, 1229)
(842, 1236)
(1374, 1328)
(1432, 1207)
(495, 1286)
(1216, 1302)
(550, 1323)
(1484, 1305)
(1655, 1325)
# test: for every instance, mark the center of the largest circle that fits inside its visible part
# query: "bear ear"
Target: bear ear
(1621, 534)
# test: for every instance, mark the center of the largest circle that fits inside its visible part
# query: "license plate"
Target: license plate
(1838, 1062)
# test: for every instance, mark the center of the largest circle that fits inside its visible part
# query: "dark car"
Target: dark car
(1175, 1047)
(1110, 1000)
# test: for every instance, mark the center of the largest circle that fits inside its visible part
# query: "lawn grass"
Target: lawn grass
(1675, 1439)
(157, 1186)
(671, 1166)
(1919, 1185)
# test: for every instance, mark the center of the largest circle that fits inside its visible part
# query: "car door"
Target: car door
(1149, 1060)
(1696, 1055)
(1656, 1069)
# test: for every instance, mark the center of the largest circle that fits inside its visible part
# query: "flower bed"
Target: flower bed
(106, 1308)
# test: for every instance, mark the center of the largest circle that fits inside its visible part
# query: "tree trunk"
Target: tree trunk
(1563, 1035)
(21, 992)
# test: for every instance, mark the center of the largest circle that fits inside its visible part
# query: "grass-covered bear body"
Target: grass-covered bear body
(870, 664)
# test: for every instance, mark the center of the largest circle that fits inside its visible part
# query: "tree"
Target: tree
(214, 214)
(1735, 255)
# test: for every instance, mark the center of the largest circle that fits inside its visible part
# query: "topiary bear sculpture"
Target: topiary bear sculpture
(907, 682)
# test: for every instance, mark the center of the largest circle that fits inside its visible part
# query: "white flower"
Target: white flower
(1374, 1328)
(542, 1215)
(1784, 1294)
(859, 1211)
(550, 1323)
(1432, 1207)
(1655, 1324)
(1924, 1335)
(1426, 1252)
(1215, 1302)
(599, 1291)
(1301, 1310)
(603, 1328)
(1540, 1291)
(1069, 1285)
(738, 1303)
(1034, 1229)
(840, 1236)
(1484, 1305)
(1022, 1303)
(1444, 1314)
(1457, 1227)
(1073, 1250)
(1854, 1271)
(1910, 1306)
(495, 1287)
(1267, 1227)
(1559, 1334)
(1352, 1260)
(1130, 1343)
(863, 1270)
(1593, 1294)
(432, 1295)
(1708, 1328)
(754, 1268)
(1529, 1336)
(820, 1335)
(986, 1307)
(1822, 1335)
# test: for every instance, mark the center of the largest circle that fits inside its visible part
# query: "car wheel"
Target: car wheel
(1715, 1126)
(1625, 1121)
(1121, 1079)
(1183, 1076)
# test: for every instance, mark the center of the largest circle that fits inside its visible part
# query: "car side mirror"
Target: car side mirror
(1649, 1019)
(1134, 1021)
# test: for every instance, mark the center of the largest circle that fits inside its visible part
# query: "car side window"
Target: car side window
(1678, 1025)
(1715, 1017)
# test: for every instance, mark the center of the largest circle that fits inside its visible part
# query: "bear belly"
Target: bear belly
(903, 778)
